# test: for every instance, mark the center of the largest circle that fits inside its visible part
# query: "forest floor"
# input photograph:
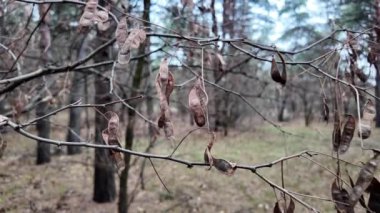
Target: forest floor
(66, 184)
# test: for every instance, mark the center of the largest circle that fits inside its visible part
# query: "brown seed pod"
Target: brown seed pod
(361, 200)
(198, 103)
(364, 179)
(374, 195)
(113, 122)
(135, 38)
(224, 166)
(124, 56)
(88, 15)
(275, 73)
(221, 165)
(101, 16)
(280, 206)
(111, 137)
(336, 137)
(141, 35)
(325, 110)
(104, 26)
(341, 198)
(207, 154)
(164, 87)
(168, 129)
(347, 134)
(133, 41)
(121, 31)
(369, 113)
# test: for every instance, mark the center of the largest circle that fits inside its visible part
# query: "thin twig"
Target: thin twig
(162, 182)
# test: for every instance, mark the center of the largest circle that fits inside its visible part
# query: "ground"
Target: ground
(66, 184)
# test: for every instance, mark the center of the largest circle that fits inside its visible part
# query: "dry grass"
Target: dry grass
(65, 185)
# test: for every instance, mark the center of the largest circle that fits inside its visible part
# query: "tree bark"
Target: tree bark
(123, 204)
(76, 92)
(377, 63)
(104, 179)
(43, 125)
(43, 129)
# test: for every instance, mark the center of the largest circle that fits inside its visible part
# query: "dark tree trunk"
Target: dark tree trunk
(377, 63)
(43, 129)
(43, 125)
(123, 204)
(104, 180)
(377, 93)
(76, 92)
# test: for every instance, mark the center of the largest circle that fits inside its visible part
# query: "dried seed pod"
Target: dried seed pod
(224, 166)
(280, 206)
(113, 122)
(164, 87)
(369, 113)
(135, 38)
(169, 86)
(341, 198)
(275, 73)
(347, 134)
(374, 195)
(141, 35)
(104, 26)
(221, 165)
(101, 16)
(116, 156)
(124, 57)
(207, 154)
(336, 133)
(361, 200)
(198, 103)
(111, 137)
(88, 15)
(325, 111)
(161, 121)
(133, 41)
(196, 108)
(164, 70)
(364, 179)
(168, 129)
(121, 31)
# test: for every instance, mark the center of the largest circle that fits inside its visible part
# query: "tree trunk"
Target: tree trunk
(43, 125)
(377, 63)
(43, 129)
(377, 92)
(76, 92)
(129, 134)
(104, 180)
